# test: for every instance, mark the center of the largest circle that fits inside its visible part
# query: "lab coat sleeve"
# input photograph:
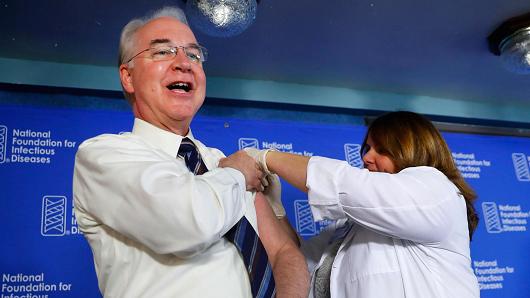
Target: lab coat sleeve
(417, 204)
(152, 199)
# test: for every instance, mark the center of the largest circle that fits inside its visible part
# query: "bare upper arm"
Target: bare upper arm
(272, 234)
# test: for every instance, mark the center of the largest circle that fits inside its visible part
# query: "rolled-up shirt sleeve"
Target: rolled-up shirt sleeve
(151, 199)
(417, 204)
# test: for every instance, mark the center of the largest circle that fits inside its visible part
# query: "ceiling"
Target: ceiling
(409, 47)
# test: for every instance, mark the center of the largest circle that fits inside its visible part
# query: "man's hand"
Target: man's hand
(248, 167)
(260, 156)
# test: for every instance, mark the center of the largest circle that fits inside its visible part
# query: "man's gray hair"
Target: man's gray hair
(127, 33)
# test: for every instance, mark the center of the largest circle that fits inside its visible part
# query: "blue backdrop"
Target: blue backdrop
(42, 252)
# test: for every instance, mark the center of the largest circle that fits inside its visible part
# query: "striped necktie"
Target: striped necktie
(191, 156)
(242, 234)
(255, 258)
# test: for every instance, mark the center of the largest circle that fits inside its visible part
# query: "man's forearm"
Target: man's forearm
(288, 264)
(286, 225)
(290, 273)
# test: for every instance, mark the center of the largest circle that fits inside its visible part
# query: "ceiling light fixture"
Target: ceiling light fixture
(221, 18)
(511, 41)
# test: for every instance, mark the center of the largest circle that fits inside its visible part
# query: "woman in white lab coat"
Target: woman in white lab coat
(402, 225)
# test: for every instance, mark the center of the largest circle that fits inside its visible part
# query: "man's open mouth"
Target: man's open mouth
(184, 86)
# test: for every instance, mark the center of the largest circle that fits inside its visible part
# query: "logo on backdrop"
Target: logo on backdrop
(30, 146)
(304, 219)
(504, 218)
(54, 217)
(3, 143)
(491, 217)
(284, 147)
(521, 166)
(248, 143)
(469, 165)
(491, 274)
(305, 224)
(352, 152)
(25, 285)
(53, 220)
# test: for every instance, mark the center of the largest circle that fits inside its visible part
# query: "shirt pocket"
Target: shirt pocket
(370, 253)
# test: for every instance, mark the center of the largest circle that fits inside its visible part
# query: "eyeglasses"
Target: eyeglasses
(195, 53)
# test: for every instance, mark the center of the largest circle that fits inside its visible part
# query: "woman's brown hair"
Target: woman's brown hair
(411, 140)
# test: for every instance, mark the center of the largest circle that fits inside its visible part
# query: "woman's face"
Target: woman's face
(376, 162)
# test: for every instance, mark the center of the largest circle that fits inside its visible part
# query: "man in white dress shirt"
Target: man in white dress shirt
(155, 228)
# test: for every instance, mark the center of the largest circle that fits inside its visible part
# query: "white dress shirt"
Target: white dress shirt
(155, 229)
(409, 235)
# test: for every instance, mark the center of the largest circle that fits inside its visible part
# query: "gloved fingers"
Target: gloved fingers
(252, 152)
(265, 181)
(274, 180)
(256, 187)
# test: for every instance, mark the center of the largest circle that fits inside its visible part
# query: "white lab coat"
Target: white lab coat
(409, 235)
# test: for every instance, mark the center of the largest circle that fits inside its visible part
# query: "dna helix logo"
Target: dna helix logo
(3, 143)
(248, 143)
(491, 217)
(352, 152)
(305, 225)
(520, 164)
(305, 222)
(53, 220)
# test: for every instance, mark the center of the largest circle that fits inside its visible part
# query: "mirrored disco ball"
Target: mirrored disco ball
(515, 52)
(221, 18)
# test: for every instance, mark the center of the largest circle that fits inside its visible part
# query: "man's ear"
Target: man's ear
(126, 79)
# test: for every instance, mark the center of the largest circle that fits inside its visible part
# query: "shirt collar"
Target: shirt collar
(167, 141)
